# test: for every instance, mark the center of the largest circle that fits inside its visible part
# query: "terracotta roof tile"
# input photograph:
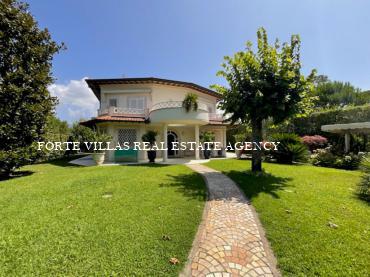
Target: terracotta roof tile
(112, 118)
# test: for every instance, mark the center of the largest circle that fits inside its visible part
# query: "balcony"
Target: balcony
(166, 112)
(215, 117)
(123, 111)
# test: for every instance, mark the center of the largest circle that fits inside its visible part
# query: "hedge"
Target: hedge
(311, 125)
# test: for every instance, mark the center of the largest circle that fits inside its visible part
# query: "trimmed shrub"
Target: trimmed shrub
(314, 142)
(364, 187)
(291, 149)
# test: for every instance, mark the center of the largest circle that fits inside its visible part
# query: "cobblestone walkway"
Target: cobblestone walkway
(230, 241)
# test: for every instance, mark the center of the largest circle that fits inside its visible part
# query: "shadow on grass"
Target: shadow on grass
(64, 161)
(147, 165)
(253, 184)
(363, 189)
(190, 185)
(363, 197)
(16, 174)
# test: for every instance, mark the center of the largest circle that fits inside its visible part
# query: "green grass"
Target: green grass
(295, 204)
(55, 221)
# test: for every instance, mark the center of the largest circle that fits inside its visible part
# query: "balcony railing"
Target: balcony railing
(215, 117)
(125, 111)
(175, 104)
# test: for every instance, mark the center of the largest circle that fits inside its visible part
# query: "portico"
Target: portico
(177, 133)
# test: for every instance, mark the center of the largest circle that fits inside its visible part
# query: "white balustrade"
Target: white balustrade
(126, 111)
(216, 117)
(175, 104)
(117, 111)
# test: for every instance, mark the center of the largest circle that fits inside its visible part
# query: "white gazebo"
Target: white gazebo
(347, 129)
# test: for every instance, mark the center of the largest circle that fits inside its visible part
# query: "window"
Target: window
(112, 102)
(136, 102)
(127, 135)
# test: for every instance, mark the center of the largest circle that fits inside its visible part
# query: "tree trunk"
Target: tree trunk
(365, 142)
(256, 137)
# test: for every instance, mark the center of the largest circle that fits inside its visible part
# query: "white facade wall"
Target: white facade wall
(153, 94)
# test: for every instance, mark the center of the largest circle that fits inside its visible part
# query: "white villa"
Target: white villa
(131, 106)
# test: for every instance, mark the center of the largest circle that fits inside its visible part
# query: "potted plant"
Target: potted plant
(239, 138)
(149, 136)
(99, 155)
(190, 102)
(207, 137)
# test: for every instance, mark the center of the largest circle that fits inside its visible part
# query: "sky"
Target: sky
(186, 40)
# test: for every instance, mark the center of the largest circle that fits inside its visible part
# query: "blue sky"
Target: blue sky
(186, 40)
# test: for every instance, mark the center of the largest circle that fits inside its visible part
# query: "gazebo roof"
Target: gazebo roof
(358, 127)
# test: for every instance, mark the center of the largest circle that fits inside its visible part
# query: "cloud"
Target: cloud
(76, 100)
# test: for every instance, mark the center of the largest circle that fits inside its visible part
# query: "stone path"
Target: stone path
(230, 240)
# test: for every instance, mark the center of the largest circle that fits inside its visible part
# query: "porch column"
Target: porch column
(197, 142)
(165, 142)
(347, 139)
(224, 138)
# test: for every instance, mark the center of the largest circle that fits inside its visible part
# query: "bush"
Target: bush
(327, 158)
(291, 149)
(364, 188)
(323, 157)
(55, 130)
(286, 138)
(101, 137)
(81, 134)
(350, 161)
(314, 142)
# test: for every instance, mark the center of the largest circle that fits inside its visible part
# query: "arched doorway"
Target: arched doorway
(171, 138)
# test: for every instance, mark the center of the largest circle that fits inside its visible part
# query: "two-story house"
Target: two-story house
(131, 106)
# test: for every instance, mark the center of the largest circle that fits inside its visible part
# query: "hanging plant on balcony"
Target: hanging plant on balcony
(190, 102)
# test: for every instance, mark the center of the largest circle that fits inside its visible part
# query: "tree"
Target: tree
(265, 84)
(26, 54)
(81, 134)
(56, 129)
(333, 93)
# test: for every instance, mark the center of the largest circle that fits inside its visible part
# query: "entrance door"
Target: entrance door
(171, 138)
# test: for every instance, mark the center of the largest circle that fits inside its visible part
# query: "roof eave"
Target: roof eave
(95, 84)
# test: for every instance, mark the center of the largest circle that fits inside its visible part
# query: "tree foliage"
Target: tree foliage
(26, 54)
(56, 129)
(265, 84)
(81, 134)
(333, 93)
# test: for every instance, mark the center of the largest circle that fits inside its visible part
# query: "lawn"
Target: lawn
(295, 205)
(70, 220)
